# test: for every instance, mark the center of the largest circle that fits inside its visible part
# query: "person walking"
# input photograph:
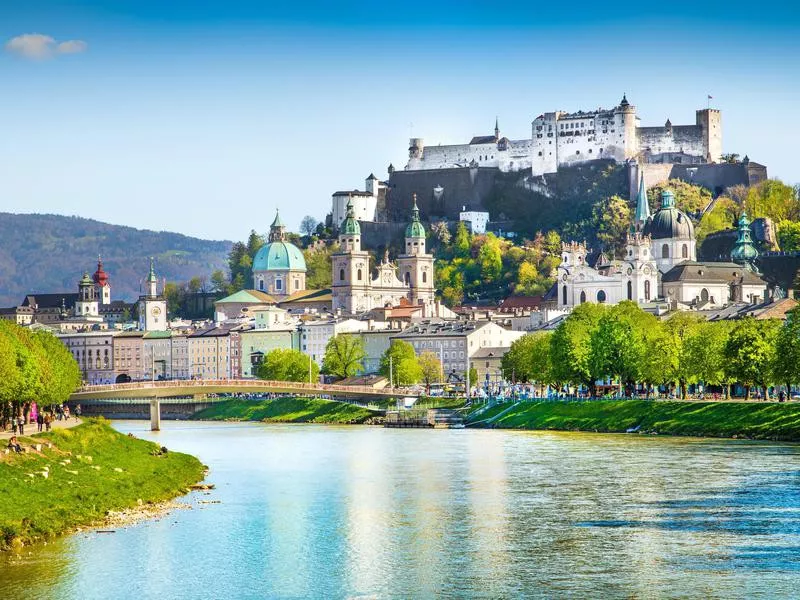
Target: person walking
(47, 419)
(14, 424)
(21, 425)
(39, 421)
(66, 413)
(77, 412)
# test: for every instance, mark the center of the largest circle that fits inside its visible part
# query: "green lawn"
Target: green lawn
(286, 410)
(712, 419)
(83, 480)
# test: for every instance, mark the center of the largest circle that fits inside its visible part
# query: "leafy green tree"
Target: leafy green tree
(570, 346)
(462, 242)
(786, 367)
(431, 368)
(63, 376)
(283, 364)
(789, 236)
(618, 347)
(490, 258)
(682, 327)
(219, 282)
(722, 216)
(318, 267)
(440, 233)
(689, 198)
(400, 363)
(611, 218)
(552, 243)
(774, 199)
(344, 356)
(750, 352)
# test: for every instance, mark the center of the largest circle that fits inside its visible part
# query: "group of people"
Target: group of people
(42, 418)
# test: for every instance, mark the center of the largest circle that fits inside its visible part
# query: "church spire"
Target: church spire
(744, 251)
(277, 231)
(642, 205)
(496, 129)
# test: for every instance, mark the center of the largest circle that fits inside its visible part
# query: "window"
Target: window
(583, 297)
(564, 295)
(630, 290)
(408, 278)
(424, 277)
(341, 274)
(601, 296)
(665, 251)
(278, 284)
(685, 251)
(297, 284)
(704, 295)
(647, 289)
(358, 274)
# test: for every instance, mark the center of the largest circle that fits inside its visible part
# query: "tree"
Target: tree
(611, 219)
(399, 362)
(490, 258)
(690, 198)
(682, 327)
(219, 283)
(441, 233)
(723, 215)
(308, 225)
(750, 352)
(462, 242)
(570, 346)
(552, 243)
(431, 368)
(344, 356)
(729, 158)
(774, 199)
(318, 267)
(283, 364)
(789, 236)
(787, 350)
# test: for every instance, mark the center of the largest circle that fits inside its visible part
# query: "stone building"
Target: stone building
(365, 203)
(356, 291)
(279, 268)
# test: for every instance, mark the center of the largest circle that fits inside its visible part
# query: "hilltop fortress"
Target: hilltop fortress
(563, 139)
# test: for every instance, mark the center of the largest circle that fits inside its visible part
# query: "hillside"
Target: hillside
(49, 253)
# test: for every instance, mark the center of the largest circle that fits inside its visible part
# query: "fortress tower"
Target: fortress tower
(710, 122)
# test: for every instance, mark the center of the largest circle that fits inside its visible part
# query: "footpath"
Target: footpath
(32, 428)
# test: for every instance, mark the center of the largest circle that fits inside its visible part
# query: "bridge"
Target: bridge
(198, 390)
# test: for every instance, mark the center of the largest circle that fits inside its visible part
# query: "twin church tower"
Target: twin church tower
(408, 280)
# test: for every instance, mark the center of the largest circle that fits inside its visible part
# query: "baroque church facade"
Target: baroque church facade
(408, 280)
(660, 264)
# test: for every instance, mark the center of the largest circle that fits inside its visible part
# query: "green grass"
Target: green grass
(753, 420)
(285, 410)
(83, 490)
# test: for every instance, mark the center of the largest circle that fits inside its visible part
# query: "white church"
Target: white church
(660, 264)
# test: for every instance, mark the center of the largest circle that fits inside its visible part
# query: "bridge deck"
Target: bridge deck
(175, 388)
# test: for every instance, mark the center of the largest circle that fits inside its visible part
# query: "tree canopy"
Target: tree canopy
(344, 356)
(283, 364)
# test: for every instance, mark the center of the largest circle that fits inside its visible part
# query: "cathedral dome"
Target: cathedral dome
(415, 228)
(669, 222)
(279, 256)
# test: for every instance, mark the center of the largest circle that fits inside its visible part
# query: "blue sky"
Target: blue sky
(204, 119)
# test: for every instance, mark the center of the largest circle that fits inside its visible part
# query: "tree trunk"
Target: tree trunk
(747, 392)
(683, 389)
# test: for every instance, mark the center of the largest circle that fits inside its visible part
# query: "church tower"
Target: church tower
(642, 206)
(152, 307)
(641, 270)
(416, 265)
(350, 289)
(86, 306)
(102, 287)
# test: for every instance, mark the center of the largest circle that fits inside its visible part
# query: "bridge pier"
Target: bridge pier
(155, 414)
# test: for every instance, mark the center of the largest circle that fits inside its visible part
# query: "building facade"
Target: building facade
(279, 268)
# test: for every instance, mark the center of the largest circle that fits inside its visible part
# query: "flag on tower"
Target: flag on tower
(710, 97)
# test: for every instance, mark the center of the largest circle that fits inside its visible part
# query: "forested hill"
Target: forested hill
(49, 253)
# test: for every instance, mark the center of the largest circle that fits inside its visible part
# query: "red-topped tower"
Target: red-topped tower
(101, 285)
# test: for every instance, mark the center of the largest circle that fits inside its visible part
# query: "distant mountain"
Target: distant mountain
(49, 253)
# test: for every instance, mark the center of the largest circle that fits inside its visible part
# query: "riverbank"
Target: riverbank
(749, 420)
(287, 410)
(80, 476)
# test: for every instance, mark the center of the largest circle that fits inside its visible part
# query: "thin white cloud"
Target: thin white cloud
(72, 47)
(40, 46)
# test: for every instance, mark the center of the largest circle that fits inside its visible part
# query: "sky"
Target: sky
(205, 117)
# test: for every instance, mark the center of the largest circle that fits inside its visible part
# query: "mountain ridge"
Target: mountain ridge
(43, 252)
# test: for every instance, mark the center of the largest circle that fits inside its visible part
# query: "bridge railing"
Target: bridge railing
(322, 388)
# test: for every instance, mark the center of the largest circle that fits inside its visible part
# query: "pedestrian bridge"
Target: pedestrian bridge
(153, 392)
(146, 390)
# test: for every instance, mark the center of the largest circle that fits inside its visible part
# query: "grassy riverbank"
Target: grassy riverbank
(771, 421)
(286, 410)
(91, 469)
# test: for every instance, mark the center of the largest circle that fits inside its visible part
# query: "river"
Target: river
(340, 512)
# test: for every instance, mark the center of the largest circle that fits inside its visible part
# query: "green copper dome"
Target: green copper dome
(350, 225)
(86, 280)
(415, 228)
(279, 256)
(744, 251)
(669, 221)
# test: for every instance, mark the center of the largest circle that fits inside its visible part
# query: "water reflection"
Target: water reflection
(308, 511)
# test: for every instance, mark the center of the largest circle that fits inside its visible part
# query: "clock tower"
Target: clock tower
(152, 306)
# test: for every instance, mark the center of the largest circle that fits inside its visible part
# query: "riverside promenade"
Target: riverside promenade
(31, 428)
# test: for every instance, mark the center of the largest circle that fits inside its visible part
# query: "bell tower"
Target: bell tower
(152, 307)
(350, 289)
(416, 265)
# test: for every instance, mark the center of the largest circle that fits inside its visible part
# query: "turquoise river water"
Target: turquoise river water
(308, 511)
